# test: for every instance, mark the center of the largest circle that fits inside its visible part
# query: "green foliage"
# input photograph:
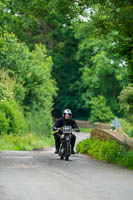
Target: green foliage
(30, 73)
(103, 69)
(100, 46)
(12, 120)
(109, 151)
(11, 116)
(36, 85)
(100, 112)
(116, 15)
(127, 127)
(39, 122)
(4, 125)
(126, 102)
(83, 146)
(24, 143)
(49, 23)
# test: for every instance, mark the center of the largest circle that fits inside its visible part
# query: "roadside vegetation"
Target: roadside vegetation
(27, 142)
(85, 130)
(108, 151)
(26, 94)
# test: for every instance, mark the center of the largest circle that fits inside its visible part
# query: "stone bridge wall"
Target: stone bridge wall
(112, 135)
(87, 124)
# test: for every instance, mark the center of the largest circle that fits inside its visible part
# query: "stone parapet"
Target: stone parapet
(120, 138)
(87, 124)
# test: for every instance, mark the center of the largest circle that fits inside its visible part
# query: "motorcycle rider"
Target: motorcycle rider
(65, 121)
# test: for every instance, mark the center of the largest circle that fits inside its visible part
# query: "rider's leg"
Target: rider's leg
(57, 142)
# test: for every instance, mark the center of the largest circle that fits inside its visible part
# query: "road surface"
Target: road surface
(41, 175)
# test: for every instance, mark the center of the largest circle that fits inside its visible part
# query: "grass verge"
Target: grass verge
(24, 143)
(108, 150)
(85, 130)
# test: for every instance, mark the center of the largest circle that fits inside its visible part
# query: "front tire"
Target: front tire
(67, 151)
(62, 157)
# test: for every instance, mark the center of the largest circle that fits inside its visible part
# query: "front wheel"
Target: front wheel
(67, 151)
(62, 157)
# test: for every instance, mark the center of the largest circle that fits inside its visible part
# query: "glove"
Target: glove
(76, 130)
(54, 129)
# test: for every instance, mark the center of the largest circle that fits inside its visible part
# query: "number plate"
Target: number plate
(67, 129)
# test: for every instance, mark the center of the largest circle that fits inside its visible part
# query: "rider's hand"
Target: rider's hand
(76, 130)
(54, 129)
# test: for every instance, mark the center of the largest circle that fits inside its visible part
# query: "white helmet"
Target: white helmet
(67, 111)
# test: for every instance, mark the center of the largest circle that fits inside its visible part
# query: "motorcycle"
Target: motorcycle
(65, 146)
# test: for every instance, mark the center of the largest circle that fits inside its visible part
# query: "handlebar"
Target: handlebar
(74, 129)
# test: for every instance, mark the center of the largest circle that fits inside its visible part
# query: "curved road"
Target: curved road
(41, 175)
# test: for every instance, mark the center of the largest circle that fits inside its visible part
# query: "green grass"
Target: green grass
(24, 143)
(85, 130)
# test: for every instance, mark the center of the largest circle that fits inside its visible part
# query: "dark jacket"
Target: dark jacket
(63, 122)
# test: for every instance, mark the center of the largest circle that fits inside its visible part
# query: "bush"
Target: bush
(11, 118)
(100, 112)
(108, 150)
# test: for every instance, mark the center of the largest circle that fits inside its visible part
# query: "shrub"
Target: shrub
(83, 146)
(108, 150)
(12, 119)
(11, 115)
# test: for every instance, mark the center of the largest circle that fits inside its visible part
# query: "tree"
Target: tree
(116, 15)
(53, 20)
(34, 88)
(74, 47)
(100, 112)
(104, 71)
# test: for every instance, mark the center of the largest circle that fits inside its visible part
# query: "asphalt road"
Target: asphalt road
(41, 175)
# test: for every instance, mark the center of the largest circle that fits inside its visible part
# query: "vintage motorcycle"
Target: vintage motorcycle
(65, 146)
